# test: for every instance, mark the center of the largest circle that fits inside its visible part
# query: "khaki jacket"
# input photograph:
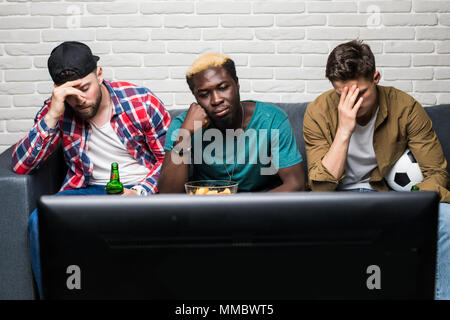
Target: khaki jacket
(401, 123)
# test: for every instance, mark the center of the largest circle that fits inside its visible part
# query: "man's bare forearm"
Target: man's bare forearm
(334, 160)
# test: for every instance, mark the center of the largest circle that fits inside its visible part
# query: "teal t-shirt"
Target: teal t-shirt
(251, 158)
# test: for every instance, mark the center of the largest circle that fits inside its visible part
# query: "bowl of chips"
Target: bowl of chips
(211, 187)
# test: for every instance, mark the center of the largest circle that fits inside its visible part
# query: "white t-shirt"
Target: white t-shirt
(106, 148)
(361, 158)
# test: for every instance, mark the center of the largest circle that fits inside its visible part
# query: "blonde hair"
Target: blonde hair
(206, 61)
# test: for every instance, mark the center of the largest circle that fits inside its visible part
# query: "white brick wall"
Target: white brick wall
(279, 46)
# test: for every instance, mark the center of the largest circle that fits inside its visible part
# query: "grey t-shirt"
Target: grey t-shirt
(361, 158)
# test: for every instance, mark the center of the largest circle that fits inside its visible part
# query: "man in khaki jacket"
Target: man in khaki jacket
(356, 132)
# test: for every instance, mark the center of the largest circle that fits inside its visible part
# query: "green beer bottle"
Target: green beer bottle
(114, 185)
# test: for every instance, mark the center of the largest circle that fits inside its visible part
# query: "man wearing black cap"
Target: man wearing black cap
(97, 122)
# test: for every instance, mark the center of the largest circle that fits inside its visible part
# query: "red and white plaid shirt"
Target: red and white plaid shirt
(139, 120)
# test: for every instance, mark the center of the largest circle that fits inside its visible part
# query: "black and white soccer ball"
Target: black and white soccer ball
(405, 173)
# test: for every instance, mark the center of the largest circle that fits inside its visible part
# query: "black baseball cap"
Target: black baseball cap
(74, 56)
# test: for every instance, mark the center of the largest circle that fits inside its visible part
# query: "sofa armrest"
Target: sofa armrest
(19, 197)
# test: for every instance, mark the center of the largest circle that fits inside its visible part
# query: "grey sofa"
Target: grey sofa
(19, 194)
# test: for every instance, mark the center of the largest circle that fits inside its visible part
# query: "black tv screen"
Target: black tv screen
(340, 245)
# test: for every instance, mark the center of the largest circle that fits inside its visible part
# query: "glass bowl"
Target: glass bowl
(211, 187)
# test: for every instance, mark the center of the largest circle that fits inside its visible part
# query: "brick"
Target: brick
(61, 35)
(178, 72)
(432, 86)
(14, 9)
(318, 86)
(431, 60)
(302, 47)
(5, 101)
(122, 60)
(248, 21)
(393, 60)
(227, 34)
(442, 73)
(332, 33)
(239, 60)
(167, 99)
(56, 9)
(431, 6)
(29, 50)
(15, 63)
(278, 86)
(408, 47)
(175, 34)
(157, 60)
(268, 97)
(275, 60)
(425, 99)
(135, 21)
(46, 87)
(416, 19)
(248, 47)
(403, 85)
(122, 34)
(138, 47)
(25, 22)
(16, 88)
(167, 7)
(189, 21)
(433, 33)
(11, 138)
(298, 97)
(29, 100)
(254, 73)
(385, 6)
(299, 73)
(315, 60)
(223, 7)
(443, 47)
(348, 20)
(298, 20)
(443, 98)
(184, 99)
(192, 47)
(394, 33)
(280, 34)
(19, 113)
(167, 85)
(26, 75)
(113, 8)
(277, 7)
(444, 19)
(15, 36)
(142, 73)
(19, 125)
(108, 73)
(74, 22)
(408, 74)
(331, 7)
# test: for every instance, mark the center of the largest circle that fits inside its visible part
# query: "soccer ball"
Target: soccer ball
(405, 173)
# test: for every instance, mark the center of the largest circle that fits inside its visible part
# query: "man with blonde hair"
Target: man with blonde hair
(221, 137)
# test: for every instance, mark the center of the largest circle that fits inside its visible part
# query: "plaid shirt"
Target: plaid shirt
(139, 120)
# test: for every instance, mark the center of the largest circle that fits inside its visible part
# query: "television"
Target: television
(288, 246)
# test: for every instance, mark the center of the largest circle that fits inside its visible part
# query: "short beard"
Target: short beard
(95, 106)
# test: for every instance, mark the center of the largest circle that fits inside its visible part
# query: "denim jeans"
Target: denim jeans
(442, 284)
(33, 229)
